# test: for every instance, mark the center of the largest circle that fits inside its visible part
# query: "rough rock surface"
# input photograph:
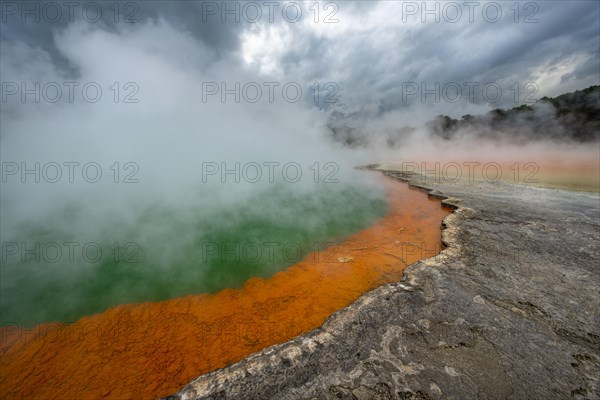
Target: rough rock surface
(509, 310)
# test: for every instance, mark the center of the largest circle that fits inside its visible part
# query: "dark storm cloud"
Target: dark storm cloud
(30, 23)
(584, 70)
(481, 52)
(376, 48)
(195, 18)
(378, 53)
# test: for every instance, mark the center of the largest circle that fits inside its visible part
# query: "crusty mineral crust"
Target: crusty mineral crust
(509, 310)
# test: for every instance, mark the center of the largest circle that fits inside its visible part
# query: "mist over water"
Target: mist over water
(132, 173)
(110, 202)
(165, 252)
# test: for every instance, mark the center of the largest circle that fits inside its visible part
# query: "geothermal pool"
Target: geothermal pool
(72, 264)
(117, 346)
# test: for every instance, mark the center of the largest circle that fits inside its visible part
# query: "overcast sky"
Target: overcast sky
(378, 56)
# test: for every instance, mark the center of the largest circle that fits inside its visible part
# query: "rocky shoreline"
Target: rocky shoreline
(510, 309)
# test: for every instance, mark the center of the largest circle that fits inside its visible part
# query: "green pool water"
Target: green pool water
(160, 252)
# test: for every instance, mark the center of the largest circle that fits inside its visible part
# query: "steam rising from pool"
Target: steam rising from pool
(110, 202)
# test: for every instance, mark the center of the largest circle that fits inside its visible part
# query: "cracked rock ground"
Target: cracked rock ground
(509, 310)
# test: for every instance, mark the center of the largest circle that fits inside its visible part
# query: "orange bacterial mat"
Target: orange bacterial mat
(150, 350)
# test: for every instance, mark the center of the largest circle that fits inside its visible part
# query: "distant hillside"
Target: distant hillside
(571, 116)
(566, 118)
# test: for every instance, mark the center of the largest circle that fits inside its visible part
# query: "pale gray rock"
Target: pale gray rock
(509, 310)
